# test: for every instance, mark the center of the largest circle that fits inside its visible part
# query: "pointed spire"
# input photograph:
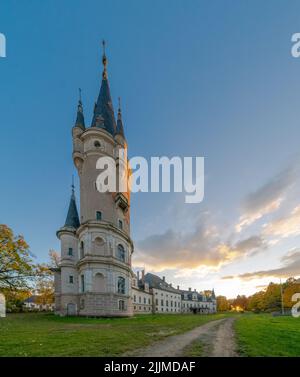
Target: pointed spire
(72, 220)
(80, 118)
(104, 62)
(120, 128)
(104, 116)
(213, 293)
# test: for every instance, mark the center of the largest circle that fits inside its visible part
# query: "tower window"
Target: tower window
(120, 224)
(71, 279)
(98, 215)
(81, 249)
(121, 285)
(70, 252)
(121, 253)
(97, 144)
(82, 283)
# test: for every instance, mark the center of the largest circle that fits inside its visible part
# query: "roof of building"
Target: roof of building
(155, 281)
(120, 128)
(80, 117)
(72, 220)
(104, 116)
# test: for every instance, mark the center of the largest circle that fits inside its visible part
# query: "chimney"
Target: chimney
(178, 287)
(138, 275)
(190, 289)
(143, 275)
(164, 278)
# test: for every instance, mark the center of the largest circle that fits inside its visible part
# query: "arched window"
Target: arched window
(97, 144)
(121, 285)
(81, 249)
(121, 253)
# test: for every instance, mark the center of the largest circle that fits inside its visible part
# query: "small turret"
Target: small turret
(80, 117)
(72, 220)
(120, 128)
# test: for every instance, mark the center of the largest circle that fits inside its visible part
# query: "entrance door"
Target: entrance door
(71, 309)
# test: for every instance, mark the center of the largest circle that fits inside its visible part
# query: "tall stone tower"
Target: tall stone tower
(94, 276)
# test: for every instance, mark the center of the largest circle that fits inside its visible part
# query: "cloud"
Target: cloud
(190, 250)
(290, 267)
(285, 226)
(267, 198)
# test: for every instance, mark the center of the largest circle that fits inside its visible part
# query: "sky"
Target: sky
(197, 78)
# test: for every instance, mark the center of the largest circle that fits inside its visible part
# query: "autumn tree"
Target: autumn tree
(16, 265)
(256, 302)
(222, 304)
(291, 286)
(45, 282)
(241, 302)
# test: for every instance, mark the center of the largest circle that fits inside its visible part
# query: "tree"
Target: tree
(222, 304)
(272, 297)
(290, 287)
(240, 302)
(15, 298)
(45, 282)
(256, 301)
(16, 265)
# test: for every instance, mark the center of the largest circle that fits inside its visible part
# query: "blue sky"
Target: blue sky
(196, 78)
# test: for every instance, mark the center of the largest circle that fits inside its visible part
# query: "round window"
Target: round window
(97, 144)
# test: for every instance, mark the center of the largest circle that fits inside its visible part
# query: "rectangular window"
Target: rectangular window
(70, 252)
(121, 305)
(120, 224)
(144, 300)
(82, 283)
(156, 302)
(71, 279)
(98, 215)
(162, 302)
(134, 298)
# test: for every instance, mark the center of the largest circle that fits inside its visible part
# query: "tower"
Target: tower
(94, 276)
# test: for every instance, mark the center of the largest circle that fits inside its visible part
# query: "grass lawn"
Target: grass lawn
(41, 334)
(264, 335)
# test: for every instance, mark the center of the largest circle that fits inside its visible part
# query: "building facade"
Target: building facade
(94, 276)
(167, 299)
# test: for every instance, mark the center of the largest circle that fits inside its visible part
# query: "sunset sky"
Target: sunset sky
(213, 79)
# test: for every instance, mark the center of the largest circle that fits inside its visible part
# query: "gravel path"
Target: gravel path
(217, 335)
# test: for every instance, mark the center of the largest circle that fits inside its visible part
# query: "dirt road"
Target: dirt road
(217, 338)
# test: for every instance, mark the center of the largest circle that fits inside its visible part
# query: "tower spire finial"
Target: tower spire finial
(104, 61)
(73, 186)
(119, 104)
(80, 99)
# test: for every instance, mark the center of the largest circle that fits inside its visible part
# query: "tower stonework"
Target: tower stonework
(94, 275)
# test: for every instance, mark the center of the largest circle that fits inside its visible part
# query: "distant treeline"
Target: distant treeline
(267, 300)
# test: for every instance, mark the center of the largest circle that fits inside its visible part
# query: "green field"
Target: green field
(264, 335)
(49, 335)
